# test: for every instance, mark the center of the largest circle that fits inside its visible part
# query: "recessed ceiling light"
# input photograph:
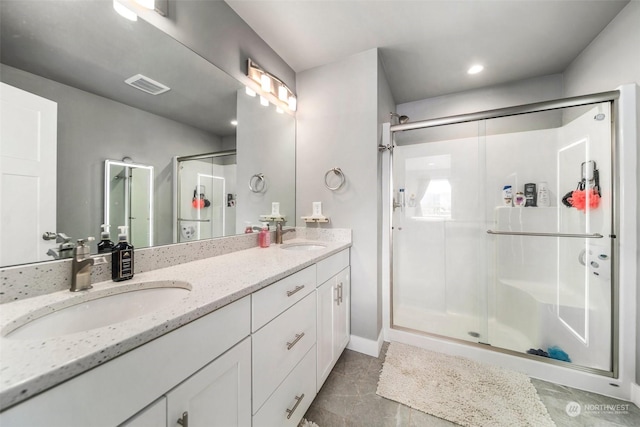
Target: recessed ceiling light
(475, 69)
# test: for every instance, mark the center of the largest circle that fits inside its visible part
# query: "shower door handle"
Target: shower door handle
(525, 233)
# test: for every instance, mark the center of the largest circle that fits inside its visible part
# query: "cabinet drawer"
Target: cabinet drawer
(298, 387)
(331, 266)
(269, 302)
(280, 345)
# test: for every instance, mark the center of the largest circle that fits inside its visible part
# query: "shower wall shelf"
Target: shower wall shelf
(315, 219)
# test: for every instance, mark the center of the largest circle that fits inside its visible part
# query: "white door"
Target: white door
(28, 138)
(217, 395)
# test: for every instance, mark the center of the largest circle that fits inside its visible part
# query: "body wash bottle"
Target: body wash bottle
(122, 257)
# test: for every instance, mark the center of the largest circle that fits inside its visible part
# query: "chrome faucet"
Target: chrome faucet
(81, 266)
(64, 250)
(280, 232)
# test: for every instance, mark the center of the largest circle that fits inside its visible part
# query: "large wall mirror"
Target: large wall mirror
(72, 129)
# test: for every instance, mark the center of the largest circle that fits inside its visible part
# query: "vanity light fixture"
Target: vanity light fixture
(475, 69)
(264, 101)
(249, 91)
(273, 89)
(124, 11)
(147, 4)
(279, 110)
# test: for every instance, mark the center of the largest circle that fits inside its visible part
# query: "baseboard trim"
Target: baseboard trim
(365, 345)
(635, 394)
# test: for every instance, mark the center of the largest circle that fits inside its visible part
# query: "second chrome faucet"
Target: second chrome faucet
(81, 266)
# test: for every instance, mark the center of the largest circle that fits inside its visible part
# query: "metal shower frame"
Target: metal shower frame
(557, 104)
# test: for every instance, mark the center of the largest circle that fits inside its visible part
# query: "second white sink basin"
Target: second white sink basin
(303, 246)
(101, 311)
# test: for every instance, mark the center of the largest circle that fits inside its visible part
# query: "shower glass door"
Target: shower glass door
(532, 274)
(439, 268)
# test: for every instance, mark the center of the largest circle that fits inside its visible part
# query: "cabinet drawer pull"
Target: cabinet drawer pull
(184, 420)
(337, 300)
(295, 341)
(292, 410)
(340, 292)
(296, 289)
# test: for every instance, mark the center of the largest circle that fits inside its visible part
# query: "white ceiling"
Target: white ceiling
(426, 46)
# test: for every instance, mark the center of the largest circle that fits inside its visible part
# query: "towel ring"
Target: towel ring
(338, 172)
(259, 181)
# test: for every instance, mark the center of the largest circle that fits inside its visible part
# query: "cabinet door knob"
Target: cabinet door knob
(184, 420)
(295, 341)
(292, 410)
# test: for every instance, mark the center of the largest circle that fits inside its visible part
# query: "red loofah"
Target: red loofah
(579, 198)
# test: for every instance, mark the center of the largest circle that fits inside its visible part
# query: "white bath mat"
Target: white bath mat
(460, 390)
(306, 423)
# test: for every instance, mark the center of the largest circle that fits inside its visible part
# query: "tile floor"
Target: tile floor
(348, 398)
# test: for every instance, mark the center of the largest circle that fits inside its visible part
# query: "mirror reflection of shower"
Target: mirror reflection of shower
(128, 200)
(204, 196)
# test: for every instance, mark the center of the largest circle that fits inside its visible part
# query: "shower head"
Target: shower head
(401, 119)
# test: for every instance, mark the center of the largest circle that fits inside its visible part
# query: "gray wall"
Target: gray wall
(337, 127)
(213, 30)
(92, 129)
(612, 59)
(507, 95)
(266, 144)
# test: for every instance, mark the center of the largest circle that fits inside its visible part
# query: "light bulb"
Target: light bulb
(124, 11)
(249, 91)
(234, 122)
(147, 4)
(264, 101)
(283, 93)
(293, 103)
(265, 81)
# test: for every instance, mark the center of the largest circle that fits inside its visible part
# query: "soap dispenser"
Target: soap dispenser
(122, 257)
(106, 245)
(264, 237)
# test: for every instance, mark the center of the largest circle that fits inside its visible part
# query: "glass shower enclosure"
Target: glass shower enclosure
(204, 196)
(503, 234)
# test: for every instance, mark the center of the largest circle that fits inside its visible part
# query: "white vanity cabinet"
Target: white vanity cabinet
(333, 312)
(219, 394)
(284, 350)
(258, 362)
(111, 394)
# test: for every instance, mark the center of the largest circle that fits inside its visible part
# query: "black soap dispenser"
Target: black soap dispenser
(106, 245)
(122, 257)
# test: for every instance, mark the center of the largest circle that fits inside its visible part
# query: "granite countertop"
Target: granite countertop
(30, 366)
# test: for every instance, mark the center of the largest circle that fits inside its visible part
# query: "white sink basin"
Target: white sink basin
(303, 246)
(101, 311)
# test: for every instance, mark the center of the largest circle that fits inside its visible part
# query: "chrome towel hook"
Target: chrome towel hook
(340, 175)
(257, 183)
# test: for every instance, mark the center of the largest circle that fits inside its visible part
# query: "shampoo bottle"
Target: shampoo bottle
(106, 245)
(264, 238)
(122, 257)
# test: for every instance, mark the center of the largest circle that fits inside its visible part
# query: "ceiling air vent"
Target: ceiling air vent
(146, 84)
